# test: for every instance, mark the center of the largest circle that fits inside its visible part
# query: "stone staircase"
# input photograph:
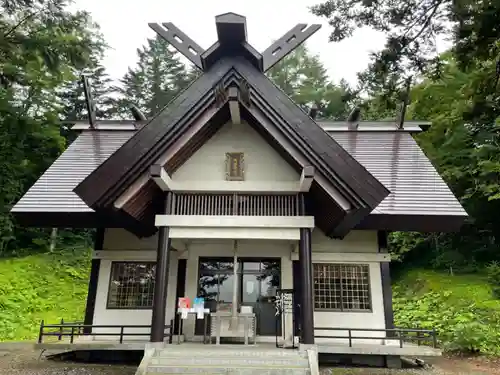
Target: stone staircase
(223, 359)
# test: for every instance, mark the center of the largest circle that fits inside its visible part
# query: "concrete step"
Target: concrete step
(230, 362)
(225, 370)
(211, 352)
(211, 360)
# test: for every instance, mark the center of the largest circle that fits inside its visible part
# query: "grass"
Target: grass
(42, 286)
(53, 286)
(462, 308)
(460, 289)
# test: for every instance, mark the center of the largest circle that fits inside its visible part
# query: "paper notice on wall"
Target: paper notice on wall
(250, 287)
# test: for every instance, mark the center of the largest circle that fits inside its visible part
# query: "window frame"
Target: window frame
(342, 309)
(108, 306)
(239, 157)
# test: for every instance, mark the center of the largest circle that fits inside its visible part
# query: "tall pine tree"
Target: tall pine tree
(303, 77)
(158, 77)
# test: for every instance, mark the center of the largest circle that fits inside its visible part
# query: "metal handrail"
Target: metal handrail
(77, 328)
(400, 334)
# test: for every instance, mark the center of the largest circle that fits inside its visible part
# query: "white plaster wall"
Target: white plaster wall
(121, 239)
(325, 250)
(337, 319)
(118, 244)
(261, 162)
(356, 241)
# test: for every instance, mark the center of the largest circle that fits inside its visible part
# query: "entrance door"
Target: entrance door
(260, 280)
(257, 279)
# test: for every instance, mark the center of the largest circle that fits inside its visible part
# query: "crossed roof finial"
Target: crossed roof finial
(232, 41)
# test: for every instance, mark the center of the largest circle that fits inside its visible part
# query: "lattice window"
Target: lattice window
(131, 285)
(343, 287)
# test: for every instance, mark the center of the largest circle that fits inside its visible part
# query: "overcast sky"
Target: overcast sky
(124, 24)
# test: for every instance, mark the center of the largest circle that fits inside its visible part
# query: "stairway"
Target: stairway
(224, 359)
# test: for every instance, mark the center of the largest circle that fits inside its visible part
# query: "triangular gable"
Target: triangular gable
(197, 112)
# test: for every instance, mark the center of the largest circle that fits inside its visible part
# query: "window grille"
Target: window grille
(131, 285)
(342, 287)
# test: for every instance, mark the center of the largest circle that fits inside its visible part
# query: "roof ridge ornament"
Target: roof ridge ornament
(353, 119)
(180, 41)
(89, 101)
(287, 43)
(400, 119)
(232, 41)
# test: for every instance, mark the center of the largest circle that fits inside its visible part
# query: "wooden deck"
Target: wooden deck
(325, 346)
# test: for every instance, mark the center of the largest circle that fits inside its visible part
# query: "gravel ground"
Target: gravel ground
(435, 366)
(25, 361)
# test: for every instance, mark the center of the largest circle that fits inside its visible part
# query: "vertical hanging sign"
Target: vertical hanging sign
(284, 301)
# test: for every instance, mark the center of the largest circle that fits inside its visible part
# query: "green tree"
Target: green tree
(41, 46)
(412, 28)
(158, 77)
(303, 77)
(467, 154)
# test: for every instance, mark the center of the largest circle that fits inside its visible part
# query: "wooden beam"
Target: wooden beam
(306, 297)
(137, 113)
(160, 176)
(404, 105)
(89, 102)
(287, 43)
(234, 105)
(160, 295)
(313, 111)
(180, 41)
(217, 51)
(353, 119)
(231, 28)
(306, 178)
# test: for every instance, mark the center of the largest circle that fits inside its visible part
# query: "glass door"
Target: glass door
(258, 281)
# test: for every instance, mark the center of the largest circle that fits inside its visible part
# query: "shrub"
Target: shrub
(460, 308)
(493, 272)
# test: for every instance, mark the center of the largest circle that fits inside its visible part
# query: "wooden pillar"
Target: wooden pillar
(385, 275)
(94, 277)
(306, 271)
(161, 279)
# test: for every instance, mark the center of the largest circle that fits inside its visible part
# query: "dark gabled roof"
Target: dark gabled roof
(185, 124)
(327, 157)
(106, 183)
(53, 192)
(419, 201)
(341, 171)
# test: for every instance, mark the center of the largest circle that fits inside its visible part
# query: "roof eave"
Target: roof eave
(99, 190)
(448, 223)
(369, 193)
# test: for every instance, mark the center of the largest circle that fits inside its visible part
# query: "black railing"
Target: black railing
(75, 329)
(419, 336)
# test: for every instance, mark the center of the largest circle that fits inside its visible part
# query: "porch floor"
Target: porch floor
(325, 346)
